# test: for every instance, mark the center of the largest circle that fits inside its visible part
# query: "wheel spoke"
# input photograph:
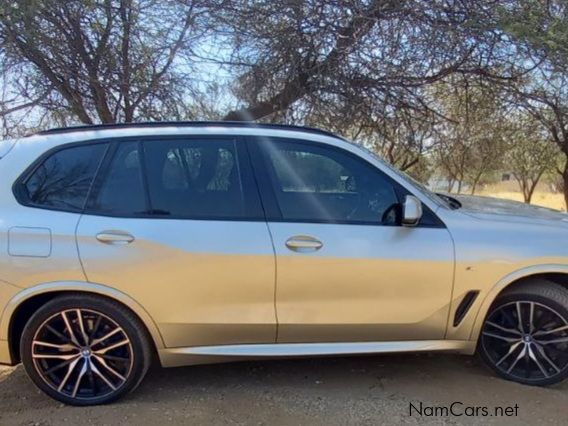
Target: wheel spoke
(553, 341)
(49, 356)
(511, 350)
(69, 329)
(537, 362)
(553, 331)
(520, 317)
(531, 318)
(115, 358)
(497, 336)
(519, 357)
(68, 374)
(58, 367)
(102, 376)
(109, 368)
(106, 336)
(92, 382)
(82, 327)
(111, 347)
(80, 377)
(63, 348)
(505, 329)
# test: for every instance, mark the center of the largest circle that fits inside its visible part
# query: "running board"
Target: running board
(175, 356)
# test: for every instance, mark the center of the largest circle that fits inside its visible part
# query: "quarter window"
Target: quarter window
(315, 183)
(63, 180)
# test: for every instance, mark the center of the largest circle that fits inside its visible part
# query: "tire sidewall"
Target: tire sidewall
(139, 364)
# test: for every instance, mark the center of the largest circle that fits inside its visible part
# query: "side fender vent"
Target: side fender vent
(464, 306)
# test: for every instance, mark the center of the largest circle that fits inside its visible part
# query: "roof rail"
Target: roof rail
(242, 124)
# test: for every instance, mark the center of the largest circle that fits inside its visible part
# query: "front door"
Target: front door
(346, 269)
(177, 225)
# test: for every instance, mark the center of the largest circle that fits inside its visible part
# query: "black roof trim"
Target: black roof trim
(241, 124)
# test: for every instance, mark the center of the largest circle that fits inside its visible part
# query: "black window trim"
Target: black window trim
(21, 180)
(272, 209)
(242, 157)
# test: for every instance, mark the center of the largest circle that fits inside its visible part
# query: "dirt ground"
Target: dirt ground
(330, 391)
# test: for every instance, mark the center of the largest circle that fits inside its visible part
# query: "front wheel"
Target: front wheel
(85, 350)
(525, 335)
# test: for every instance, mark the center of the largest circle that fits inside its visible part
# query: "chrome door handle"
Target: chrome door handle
(303, 243)
(115, 237)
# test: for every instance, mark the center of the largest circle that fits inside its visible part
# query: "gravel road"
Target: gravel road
(330, 391)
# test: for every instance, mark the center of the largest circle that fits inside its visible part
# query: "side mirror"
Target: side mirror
(411, 211)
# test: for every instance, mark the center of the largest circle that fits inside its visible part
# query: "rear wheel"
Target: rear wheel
(525, 335)
(85, 350)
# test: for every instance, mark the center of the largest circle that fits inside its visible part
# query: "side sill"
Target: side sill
(174, 357)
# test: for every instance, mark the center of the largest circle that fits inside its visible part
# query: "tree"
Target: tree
(470, 143)
(530, 155)
(540, 30)
(401, 136)
(102, 60)
(349, 53)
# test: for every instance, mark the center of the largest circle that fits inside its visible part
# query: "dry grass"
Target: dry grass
(545, 199)
(542, 196)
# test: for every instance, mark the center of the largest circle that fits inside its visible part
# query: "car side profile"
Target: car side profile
(210, 242)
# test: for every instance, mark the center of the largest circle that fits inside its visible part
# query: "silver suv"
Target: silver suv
(207, 242)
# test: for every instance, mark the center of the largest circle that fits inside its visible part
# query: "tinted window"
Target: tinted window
(63, 180)
(121, 191)
(194, 179)
(316, 183)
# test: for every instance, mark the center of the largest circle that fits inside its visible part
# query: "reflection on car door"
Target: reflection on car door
(177, 225)
(346, 269)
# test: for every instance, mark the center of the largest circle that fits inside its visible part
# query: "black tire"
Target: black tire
(544, 362)
(104, 374)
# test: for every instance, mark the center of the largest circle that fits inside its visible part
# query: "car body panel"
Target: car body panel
(494, 246)
(361, 285)
(203, 282)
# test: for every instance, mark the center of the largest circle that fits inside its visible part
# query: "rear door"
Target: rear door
(176, 223)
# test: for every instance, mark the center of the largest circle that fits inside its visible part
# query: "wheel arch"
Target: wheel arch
(21, 307)
(552, 272)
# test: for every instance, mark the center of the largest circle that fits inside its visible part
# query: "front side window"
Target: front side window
(317, 183)
(63, 180)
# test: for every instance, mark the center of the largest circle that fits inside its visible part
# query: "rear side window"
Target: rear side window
(195, 179)
(62, 181)
(180, 178)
